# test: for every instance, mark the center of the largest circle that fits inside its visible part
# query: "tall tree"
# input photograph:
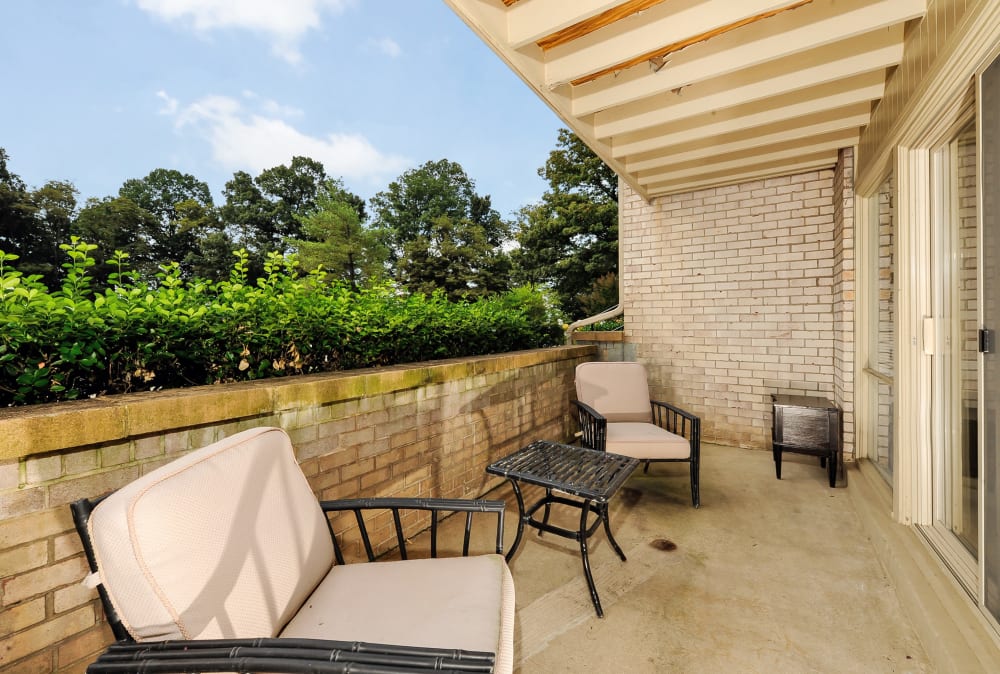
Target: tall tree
(14, 215)
(117, 223)
(53, 208)
(34, 222)
(262, 213)
(441, 233)
(170, 196)
(569, 239)
(212, 255)
(334, 236)
(247, 213)
(292, 191)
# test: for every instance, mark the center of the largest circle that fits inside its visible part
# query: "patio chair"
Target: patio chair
(223, 560)
(617, 415)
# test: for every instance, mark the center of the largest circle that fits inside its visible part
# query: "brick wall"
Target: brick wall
(417, 430)
(885, 350)
(967, 244)
(844, 292)
(737, 292)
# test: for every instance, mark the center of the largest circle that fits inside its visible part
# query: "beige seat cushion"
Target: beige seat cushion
(225, 542)
(646, 441)
(458, 602)
(618, 391)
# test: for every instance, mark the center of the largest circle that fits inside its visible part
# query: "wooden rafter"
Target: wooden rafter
(677, 46)
(603, 19)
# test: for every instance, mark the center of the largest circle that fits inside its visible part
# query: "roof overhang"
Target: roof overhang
(678, 95)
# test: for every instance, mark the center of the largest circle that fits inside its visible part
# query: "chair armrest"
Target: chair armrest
(676, 420)
(293, 656)
(593, 426)
(434, 506)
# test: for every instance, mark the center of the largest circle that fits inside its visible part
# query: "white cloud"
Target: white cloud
(284, 22)
(253, 140)
(276, 109)
(169, 104)
(272, 107)
(387, 46)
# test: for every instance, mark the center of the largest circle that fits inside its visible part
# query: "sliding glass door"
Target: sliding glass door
(989, 121)
(964, 339)
(953, 340)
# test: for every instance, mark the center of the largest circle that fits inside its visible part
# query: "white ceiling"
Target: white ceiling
(676, 95)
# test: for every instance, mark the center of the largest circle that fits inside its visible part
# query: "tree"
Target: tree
(34, 222)
(263, 213)
(247, 212)
(52, 208)
(441, 234)
(117, 223)
(335, 237)
(212, 255)
(291, 191)
(172, 197)
(569, 240)
(14, 215)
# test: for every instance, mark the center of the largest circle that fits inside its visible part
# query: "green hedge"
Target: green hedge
(77, 342)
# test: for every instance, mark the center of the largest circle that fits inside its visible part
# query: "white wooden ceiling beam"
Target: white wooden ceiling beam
(788, 152)
(860, 89)
(774, 96)
(487, 20)
(529, 22)
(826, 64)
(819, 124)
(822, 160)
(634, 36)
(777, 38)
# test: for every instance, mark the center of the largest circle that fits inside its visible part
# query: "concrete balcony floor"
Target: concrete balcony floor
(767, 576)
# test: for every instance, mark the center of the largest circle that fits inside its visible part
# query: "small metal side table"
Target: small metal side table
(808, 425)
(587, 473)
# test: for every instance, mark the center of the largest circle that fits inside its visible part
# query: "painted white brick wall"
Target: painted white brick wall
(730, 296)
(844, 292)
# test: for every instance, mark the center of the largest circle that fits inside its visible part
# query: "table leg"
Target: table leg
(586, 560)
(607, 530)
(548, 507)
(520, 519)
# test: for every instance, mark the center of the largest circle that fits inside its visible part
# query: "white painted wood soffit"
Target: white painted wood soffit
(678, 95)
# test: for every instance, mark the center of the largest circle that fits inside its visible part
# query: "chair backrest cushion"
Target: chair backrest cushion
(617, 390)
(225, 542)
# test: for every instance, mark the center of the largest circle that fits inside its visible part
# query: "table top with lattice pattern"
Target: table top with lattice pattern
(579, 471)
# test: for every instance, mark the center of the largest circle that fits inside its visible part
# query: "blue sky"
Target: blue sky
(100, 91)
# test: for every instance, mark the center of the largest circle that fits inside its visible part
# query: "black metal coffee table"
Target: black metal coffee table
(589, 474)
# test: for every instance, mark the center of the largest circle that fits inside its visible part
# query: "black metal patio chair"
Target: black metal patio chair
(223, 560)
(617, 415)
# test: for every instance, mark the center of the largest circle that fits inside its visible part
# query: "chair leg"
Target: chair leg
(695, 492)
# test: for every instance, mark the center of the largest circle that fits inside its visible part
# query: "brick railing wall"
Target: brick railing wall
(425, 429)
(611, 344)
